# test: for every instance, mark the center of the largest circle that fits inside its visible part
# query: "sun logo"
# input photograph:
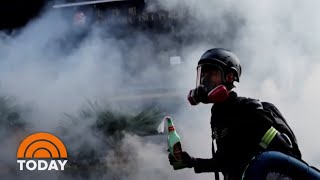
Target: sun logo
(38, 149)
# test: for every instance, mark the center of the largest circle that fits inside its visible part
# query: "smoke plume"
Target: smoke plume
(276, 42)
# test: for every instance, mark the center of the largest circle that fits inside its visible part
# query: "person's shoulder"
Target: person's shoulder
(248, 102)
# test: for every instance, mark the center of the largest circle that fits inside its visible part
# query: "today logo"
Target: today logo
(42, 151)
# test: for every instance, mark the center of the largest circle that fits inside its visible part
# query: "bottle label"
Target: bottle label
(170, 128)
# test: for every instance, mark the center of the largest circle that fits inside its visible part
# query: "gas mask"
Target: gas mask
(209, 87)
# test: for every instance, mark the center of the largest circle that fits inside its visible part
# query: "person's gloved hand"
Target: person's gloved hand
(186, 161)
(198, 95)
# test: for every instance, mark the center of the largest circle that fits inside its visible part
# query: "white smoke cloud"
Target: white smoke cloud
(276, 41)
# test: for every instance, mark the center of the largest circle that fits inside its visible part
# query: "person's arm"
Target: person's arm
(205, 165)
(267, 136)
(200, 165)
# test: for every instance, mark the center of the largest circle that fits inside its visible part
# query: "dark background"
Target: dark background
(17, 13)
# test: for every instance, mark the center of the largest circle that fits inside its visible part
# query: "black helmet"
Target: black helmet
(225, 59)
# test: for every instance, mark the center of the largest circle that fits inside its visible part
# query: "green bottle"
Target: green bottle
(174, 144)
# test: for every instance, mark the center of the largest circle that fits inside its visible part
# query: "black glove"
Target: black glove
(186, 161)
(198, 95)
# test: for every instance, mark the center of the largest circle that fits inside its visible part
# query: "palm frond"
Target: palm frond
(10, 113)
(109, 126)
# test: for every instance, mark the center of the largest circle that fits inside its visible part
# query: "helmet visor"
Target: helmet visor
(209, 76)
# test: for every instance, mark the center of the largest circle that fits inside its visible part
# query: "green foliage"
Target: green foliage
(108, 125)
(10, 114)
(143, 124)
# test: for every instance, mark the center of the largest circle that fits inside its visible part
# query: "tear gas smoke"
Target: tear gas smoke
(276, 41)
